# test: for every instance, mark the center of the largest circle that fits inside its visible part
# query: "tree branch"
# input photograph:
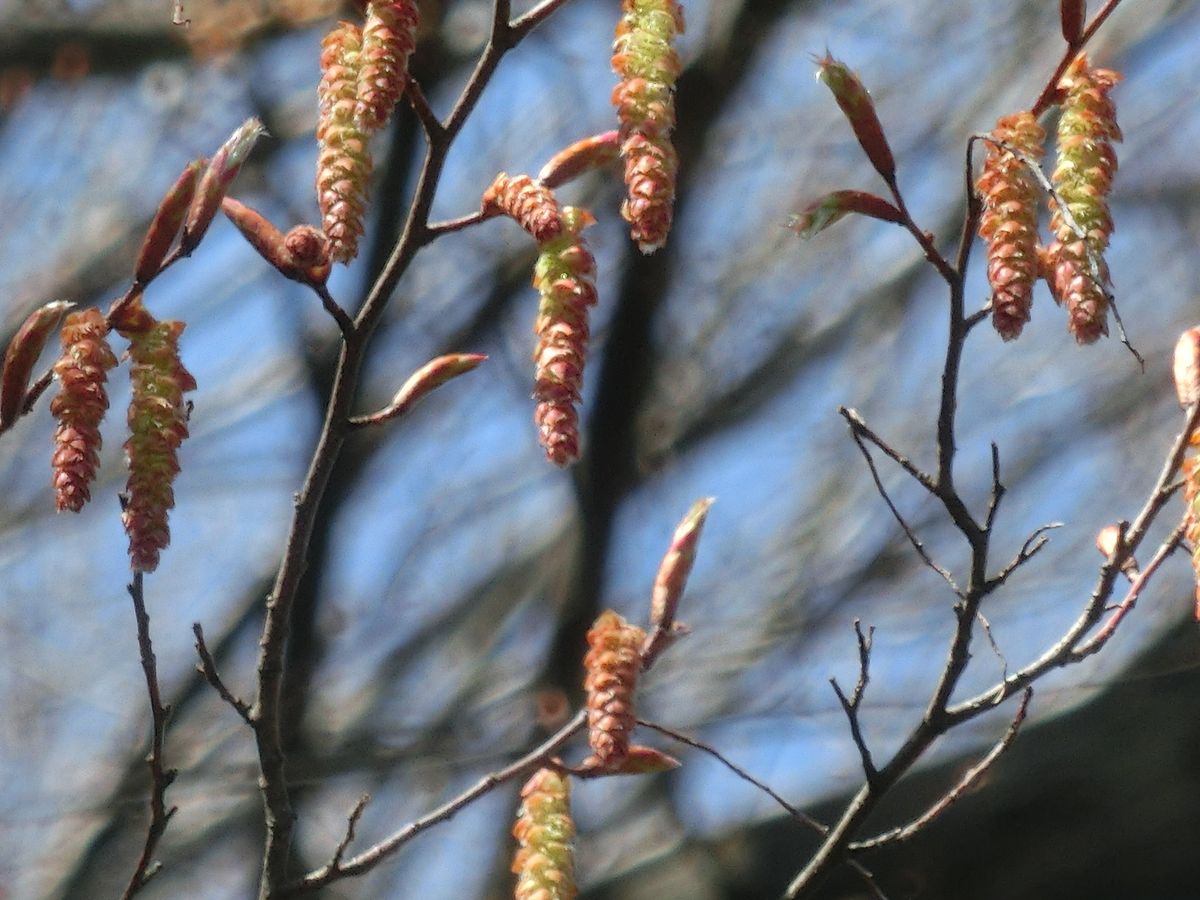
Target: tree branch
(336, 869)
(160, 776)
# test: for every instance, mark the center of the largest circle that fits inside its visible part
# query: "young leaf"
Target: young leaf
(859, 109)
(818, 216)
(22, 354)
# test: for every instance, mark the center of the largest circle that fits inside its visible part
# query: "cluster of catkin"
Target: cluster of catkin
(644, 57)
(364, 70)
(1073, 263)
(1186, 371)
(617, 654)
(158, 414)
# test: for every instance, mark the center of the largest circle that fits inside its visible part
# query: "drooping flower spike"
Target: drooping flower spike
(388, 39)
(613, 662)
(564, 276)
(544, 863)
(1083, 179)
(343, 161)
(1010, 221)
(644, 57)
(82, 371)
(157, 426)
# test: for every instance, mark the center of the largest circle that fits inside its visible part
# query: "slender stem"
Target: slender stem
(160, 776)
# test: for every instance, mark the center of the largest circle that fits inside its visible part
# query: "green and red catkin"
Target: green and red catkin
(1010, 221)
(544, 862)
(645, 59)
(343, 161)
(1083, 178)
(388, 39)
(564, 276)
(157, 426)
(79, 407)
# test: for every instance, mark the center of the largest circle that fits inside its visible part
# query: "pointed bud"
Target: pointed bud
(582, 156)
(166, 223)
(857, 106)
(672, 578)
(818, 216)
(301, 255)
(222, 169)
(423, 382)
(22, 355)
(1072, 13)
(645, 761)
(1187, 367)
(1106, 543)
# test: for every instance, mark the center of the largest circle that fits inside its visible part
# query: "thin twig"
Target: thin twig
(208, 668)
(912, 538)
(859, 427)
(437, 229)
(425, 114)
(968, 781)
(1034, 543)
(160, 776)
(997, 491)
(741, 773)
(851, 704)
(344, 323)
(987, 630)
(368, 859)
(351, 825)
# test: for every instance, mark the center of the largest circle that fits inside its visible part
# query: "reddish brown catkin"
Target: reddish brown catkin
(564, 276)
(1010, 221)
(645, 59)
(1083, 178)
(388, 39)
(157, 426)
(544, 862)
(82, 371)
(612, 662)
(526, 202)
(343, 162)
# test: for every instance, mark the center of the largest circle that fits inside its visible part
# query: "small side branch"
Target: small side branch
(997, 491)
(798, 814)
(344, 323)
(860, 429)
(851, 704)
(912, 537)
(337, 869)
(1034, 543)
(968, 781)
(208, 668)
(339, 852)
(160, 776)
